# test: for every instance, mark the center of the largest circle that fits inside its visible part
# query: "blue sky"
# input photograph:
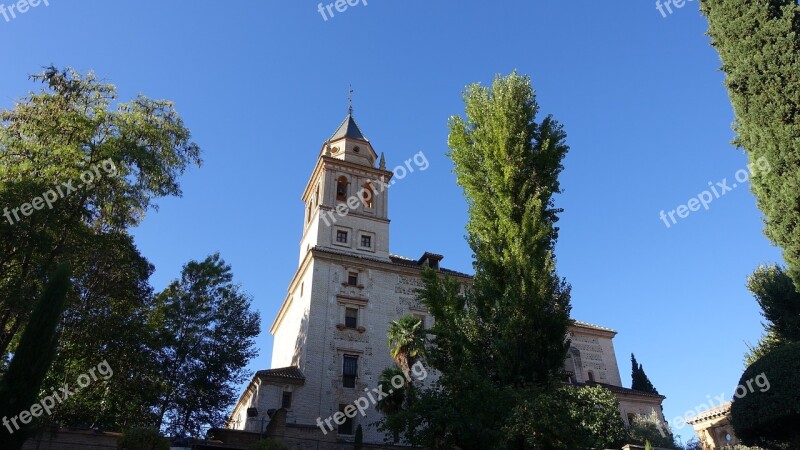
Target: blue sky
(262, 84)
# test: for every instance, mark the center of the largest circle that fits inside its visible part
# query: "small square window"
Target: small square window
(351, 317)
(347, 426)
(366, 241)
(286, 400)
(352, 279)
(341, 236)
(349, 371)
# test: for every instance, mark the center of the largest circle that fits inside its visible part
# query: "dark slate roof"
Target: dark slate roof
(619, 389)
(291, 373)
(348, 129)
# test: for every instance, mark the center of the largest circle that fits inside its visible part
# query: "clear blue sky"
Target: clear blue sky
(262, 83)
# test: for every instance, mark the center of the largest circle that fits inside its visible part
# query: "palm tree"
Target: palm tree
(406, 341)
(391, 403)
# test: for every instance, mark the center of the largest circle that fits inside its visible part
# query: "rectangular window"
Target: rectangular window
(349, 371)
(352, 278)
(347, 426)
(286, 400)
(351, 317)
(366, 241)
(341, 236)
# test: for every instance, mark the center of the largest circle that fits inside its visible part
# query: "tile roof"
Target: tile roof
(620, 389)
(348, 129)
(718, 411)
(291, 373)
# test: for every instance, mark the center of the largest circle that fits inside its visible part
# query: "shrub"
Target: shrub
(769, 418)
(649, 428)
(267, 444)
(142, 439)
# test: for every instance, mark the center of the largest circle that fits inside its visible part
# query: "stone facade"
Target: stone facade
(330, 333)
(713, 427)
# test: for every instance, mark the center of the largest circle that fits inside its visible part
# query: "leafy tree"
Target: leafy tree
(768, 413)
(406, 341)
(649, 428)
(500, 347)
(20, 385)
(207, 334)
(759, 45)
(569, 418)
(639, 379)
(780, 306)
(135, 153)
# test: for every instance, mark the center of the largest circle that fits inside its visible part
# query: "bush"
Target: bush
(769, 419)
(142, 439)
(649, 428)
(267, 444)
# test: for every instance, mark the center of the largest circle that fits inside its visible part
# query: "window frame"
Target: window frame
(349, 378)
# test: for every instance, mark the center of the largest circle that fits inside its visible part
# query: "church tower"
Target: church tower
(346, 198)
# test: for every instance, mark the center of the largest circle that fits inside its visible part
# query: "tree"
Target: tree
(780, 306)
(639, 379)
(759, 45)
(49, 142)
(502, 342)
(20, 385)
(649, 428)
(206, 337)
(766, 413)
(406, 341)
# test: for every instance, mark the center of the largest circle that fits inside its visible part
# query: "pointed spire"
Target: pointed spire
(348, 129)
(383, 162)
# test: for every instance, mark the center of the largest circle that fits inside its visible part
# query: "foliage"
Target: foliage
(206, 338)
(142, 439)
(769, 418)
(568, 418)
(780, 306)
(639, 379)
(693, 444)
(650, 428)
(499, 344)
(52, 137)
(406, 341)
(759, 45)
(20, 385)
(267, 444)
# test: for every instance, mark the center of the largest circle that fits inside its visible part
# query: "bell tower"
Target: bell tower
(346, 196)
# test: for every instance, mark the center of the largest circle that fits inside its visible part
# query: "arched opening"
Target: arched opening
(591, 376)
(367, 195)
(341, 189)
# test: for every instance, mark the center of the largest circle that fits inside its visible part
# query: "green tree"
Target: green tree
(649, 428)
(768, 413)
(759, 45)
(639, 379)
(142, 439)
(503, 342)
(207, 333)
(21, 383)
(780, 306)
(134, 153)
(406, 341)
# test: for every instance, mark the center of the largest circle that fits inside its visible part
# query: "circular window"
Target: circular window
(335, 150)
(728, 437)
(356, 149)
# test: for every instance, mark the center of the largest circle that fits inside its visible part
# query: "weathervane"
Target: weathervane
(350, 101)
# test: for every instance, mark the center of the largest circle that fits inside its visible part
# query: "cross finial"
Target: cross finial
(350, 101)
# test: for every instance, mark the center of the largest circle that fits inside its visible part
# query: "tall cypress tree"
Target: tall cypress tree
(639, 379)
(759, 45)
(20, 385)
